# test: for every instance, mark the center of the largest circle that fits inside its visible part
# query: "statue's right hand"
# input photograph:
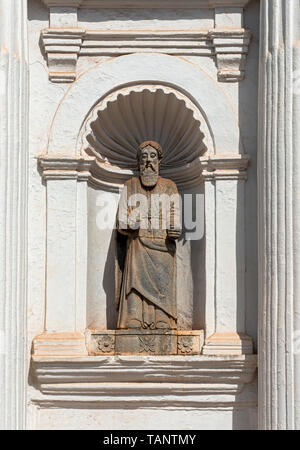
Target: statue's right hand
(134, 224)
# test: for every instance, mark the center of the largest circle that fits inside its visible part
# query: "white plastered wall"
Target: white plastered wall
(231, 112)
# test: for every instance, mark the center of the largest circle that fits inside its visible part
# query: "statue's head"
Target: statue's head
(149, 155)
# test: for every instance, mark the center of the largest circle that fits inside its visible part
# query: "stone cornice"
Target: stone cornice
(65, 45)
(187, 381)
(138, 4)
(65, 167)
(231, 48)
(225, 167)
(209, 167)
(64, 41)
(108, 177)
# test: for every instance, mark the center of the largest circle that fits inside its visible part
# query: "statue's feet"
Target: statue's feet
(148, 326)
(134, 324)
(162, 325)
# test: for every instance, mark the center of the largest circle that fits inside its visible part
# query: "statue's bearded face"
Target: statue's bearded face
(149, 166)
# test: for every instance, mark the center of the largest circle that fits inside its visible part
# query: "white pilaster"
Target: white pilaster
(230, 256)
(210, 258)
(66, 265)
(225, 177)
(61, 255)
(279, 219)
(13, 201)
(81, 257)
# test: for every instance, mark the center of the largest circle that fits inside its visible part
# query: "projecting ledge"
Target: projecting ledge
(152, 4)
(142, 380)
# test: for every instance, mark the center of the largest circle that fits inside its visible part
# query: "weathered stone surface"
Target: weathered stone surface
(101, 342)
(145, 342)
(146, 249)
(190, 342)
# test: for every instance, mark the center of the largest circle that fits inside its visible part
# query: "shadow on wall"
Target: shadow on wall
(109, 284)
(246, 417)
(248, 120)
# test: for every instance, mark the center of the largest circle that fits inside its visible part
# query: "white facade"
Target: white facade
(83, 67)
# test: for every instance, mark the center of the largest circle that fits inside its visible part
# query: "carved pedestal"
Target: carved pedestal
(145, 342)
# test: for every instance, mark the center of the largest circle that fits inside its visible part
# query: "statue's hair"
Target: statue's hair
(151, 144)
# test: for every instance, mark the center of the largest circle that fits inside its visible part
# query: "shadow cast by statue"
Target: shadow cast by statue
(109, 284)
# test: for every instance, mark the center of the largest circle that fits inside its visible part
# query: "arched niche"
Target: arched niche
(68, 159)
(123, 119)
(184, 76)
(109, 138)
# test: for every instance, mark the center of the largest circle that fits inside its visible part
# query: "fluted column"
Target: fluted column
(279, 216)
(13, 204)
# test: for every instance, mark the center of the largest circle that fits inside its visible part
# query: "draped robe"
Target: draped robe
(146, 258)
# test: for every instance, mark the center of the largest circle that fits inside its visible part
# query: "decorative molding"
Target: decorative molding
(65, 167)
(224, 167)
(134, 342)
(190, 342)
(112, 178)
(152, 381)
(141, 4)
(105, 343)
(63, 46)
(116, 43)
(231, 49)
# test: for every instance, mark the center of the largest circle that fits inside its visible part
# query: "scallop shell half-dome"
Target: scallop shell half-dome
(129, 116)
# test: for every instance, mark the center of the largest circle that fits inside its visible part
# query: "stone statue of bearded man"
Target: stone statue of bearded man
(148, 223)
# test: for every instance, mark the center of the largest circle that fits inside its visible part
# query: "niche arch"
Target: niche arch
(109, 138)
(184, 76)
(130, 115)
(224, 159)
